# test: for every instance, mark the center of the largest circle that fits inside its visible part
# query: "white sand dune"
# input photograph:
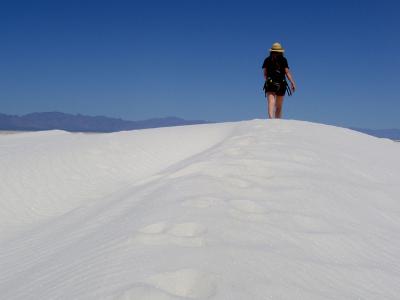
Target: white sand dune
(261, 209)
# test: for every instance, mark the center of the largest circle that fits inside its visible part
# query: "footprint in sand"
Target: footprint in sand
(156, 228)
(237, 182)
(247, 210)
(189, 283)
(143, 292)
(187, 230)
(183, 283)
(259, 126)
(225, 177)
(202, 202)
(187, 234)
(245, 141)
(233, 151)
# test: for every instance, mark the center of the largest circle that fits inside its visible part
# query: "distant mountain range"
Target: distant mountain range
(69, 122)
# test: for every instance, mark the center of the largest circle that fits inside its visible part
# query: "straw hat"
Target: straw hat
(276, 47)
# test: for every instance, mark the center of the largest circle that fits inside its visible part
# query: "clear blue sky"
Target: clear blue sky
(200, 59)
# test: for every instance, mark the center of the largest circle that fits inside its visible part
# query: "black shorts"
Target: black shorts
(270, 88)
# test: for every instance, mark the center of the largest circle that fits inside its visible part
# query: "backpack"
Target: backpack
(275, 80)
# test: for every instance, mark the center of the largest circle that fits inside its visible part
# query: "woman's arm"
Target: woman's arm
(290, 77)
(265, 73)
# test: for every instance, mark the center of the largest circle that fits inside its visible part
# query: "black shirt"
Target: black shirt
(276, 70)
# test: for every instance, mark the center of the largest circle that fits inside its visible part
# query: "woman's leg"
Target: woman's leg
(279, 104)
(271, 105)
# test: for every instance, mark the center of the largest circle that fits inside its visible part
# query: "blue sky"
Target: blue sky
(200, 59)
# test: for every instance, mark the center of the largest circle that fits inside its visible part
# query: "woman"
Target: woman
(275, 69)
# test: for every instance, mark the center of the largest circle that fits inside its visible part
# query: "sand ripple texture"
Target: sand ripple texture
(260, 209)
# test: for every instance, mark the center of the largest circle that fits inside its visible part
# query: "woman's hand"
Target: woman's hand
(289, 76)
(292, 86)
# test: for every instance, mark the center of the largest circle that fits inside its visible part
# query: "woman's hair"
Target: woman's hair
(275, 58)
(274, 54)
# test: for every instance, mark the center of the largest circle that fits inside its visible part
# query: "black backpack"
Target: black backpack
(275, 80)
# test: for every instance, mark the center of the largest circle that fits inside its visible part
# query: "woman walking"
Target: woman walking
(276, 69)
